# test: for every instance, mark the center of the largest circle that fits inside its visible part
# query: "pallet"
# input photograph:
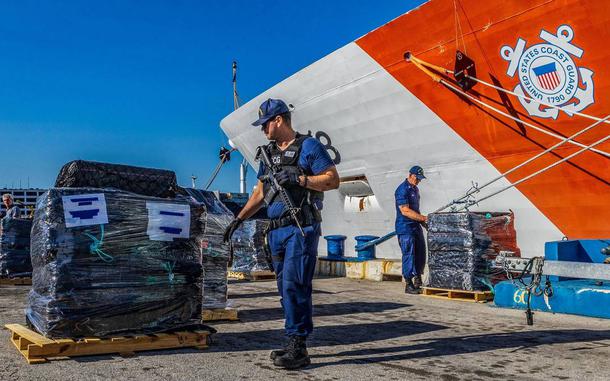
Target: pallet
(217, 314)
(252, 276)
(16, 281)
(38, 349)
(469, 296)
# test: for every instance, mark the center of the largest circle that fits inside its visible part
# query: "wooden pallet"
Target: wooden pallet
(217, 314)
(38, 349)
(16, 281)
(469, 296)
(252, 276)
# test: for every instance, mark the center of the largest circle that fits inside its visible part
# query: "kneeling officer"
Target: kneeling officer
(303, 167)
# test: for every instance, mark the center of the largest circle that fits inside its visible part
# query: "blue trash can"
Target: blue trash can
(335, 246)
(369, 252)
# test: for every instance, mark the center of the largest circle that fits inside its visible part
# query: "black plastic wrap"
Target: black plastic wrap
(249, 253)
(137, 273)
(215, 287)
(462, 246)
(15, 248)
(145, 181)
(214, 252)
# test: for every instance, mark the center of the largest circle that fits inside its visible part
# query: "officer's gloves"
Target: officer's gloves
(231, 229)
(289, 176)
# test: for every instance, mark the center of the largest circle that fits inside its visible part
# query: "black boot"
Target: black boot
(410, 288)
(281, 352)
(417, 283)
(296, 355)
(278, 353)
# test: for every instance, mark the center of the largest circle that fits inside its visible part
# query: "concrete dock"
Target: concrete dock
(364, 331)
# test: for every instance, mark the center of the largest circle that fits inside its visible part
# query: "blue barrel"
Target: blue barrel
(369, 252)
(335, 246)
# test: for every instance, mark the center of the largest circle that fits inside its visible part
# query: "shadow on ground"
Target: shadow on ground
(268, 294)
(424, 348)
(348, 334)
(319, 310)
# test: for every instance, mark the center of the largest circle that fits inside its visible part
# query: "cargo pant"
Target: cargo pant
(413, 247)
(294, 262)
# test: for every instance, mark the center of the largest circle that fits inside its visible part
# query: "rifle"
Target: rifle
(277, 189)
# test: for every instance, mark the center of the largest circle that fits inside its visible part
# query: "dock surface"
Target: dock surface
(364, 331)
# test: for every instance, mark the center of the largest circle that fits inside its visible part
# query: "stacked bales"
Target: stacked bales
(144, 181)
(215, 254)
(462, 246)
(249, 248)
(109, 262)
(15, 248)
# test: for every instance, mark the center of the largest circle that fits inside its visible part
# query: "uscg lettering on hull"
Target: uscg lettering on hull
(168, 221)
(85, 210)
(547, 73)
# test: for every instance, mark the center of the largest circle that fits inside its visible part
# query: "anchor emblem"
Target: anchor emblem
(547, 73)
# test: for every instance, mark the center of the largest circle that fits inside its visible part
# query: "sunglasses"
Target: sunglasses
(266, 124)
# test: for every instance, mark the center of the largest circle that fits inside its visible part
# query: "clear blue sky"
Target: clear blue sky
(147, 82)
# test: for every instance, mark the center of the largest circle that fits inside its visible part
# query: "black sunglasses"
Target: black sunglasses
(266, 124)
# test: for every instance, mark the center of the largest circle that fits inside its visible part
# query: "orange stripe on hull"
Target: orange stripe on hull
(575, 196)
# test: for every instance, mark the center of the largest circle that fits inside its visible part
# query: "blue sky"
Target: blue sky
(147, 82)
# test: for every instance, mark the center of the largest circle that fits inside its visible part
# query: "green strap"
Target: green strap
(95, 247)
(169, 267)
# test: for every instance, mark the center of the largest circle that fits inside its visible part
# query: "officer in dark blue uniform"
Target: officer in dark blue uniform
(305, 169)
(409, 231)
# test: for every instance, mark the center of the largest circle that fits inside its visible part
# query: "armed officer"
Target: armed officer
(409, 231)
(305, 170)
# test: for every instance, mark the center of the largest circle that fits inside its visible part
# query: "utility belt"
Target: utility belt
(307, 216)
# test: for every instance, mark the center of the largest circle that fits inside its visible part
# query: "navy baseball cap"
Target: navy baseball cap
(269, 109)
(417, 171)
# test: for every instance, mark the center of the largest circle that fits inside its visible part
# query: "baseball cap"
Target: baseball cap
(417, 171)
(269, 109)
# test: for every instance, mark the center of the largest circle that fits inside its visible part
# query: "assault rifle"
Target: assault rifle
(277, 189)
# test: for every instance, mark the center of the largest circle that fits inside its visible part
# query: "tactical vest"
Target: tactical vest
(303, 198)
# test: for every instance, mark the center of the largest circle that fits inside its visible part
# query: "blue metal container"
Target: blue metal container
(571, 296)
(578, 297)
(369, 252)
(335, 246)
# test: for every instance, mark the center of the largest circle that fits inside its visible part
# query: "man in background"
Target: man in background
(12, 210)
(409, 231)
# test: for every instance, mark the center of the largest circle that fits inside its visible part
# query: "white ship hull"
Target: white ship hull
(380, 128)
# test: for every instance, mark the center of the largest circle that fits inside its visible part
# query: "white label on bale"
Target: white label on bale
(85, 209)
(168, 221)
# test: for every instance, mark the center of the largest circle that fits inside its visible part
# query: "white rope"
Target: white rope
(590, 146)
(587, 116)
(460, 91)
(458, 26)
(477, 189)
(533, 100)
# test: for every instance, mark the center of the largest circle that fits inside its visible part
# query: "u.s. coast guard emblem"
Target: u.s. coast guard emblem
(547, 73)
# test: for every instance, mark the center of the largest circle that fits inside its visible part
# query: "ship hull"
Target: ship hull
(379, 115)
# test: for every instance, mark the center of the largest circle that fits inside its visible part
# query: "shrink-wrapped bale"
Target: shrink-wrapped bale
(144, 181)
(15, 248)
(214, 252)
(462, 246)
(215, 288)
(109, 262)
(249, 251)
